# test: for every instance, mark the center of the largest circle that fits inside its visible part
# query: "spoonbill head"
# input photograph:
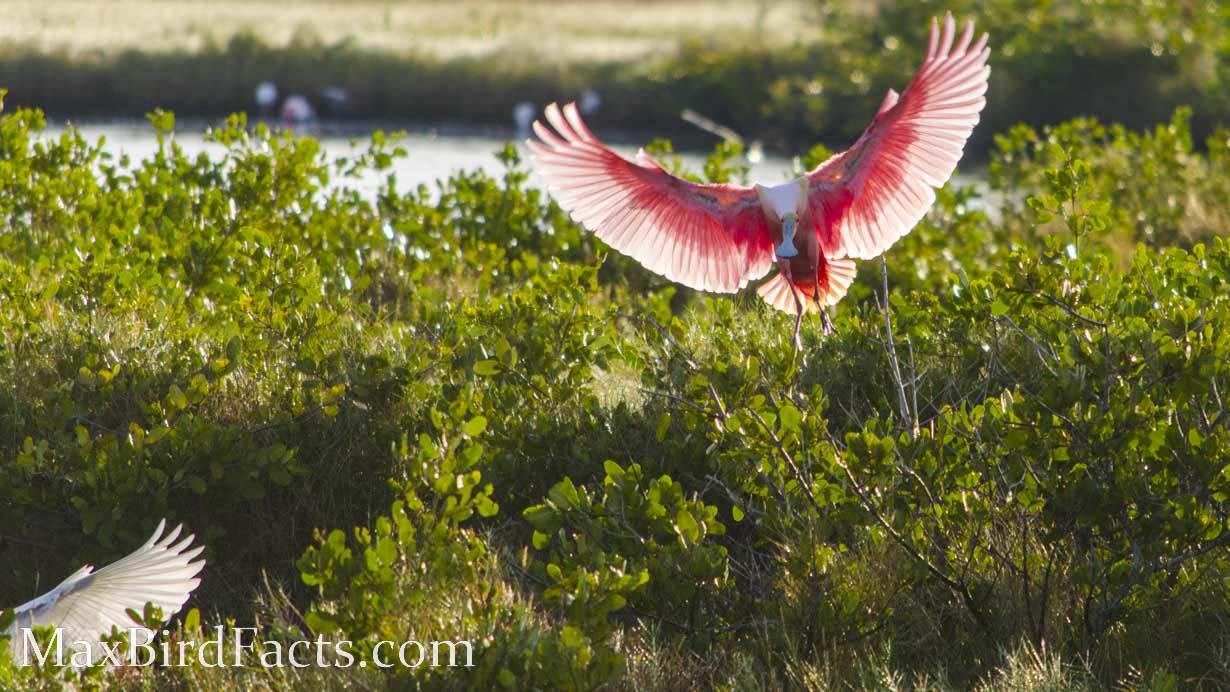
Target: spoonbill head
(719, 237)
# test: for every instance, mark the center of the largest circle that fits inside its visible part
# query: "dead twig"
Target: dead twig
(906, 418)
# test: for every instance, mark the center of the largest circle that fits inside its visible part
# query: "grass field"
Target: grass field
(570, 30)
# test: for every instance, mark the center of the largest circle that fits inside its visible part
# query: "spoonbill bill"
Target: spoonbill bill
(853, 206)
(88, 603)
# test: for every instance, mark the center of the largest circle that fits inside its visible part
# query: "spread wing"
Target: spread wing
(87, 604)
(867, 197)
(709, 237)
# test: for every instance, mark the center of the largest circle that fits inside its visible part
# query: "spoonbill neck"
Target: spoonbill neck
(783, 199)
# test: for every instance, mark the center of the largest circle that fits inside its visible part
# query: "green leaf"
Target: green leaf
(192, 621)
(475, 426)
(163, 121)
(486, 368)
(564, 494)
(664, 424)
(506, 353)
(487, 508)
(572, 637)
(1097, 207)
(386, 550)
(790, 417)
(177, 397)
(542, 518)
(612, 469)
(686, 525)
(197, 484)
(279, 475)
(234, 348)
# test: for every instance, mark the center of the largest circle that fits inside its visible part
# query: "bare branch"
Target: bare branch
(906, 418)
(789, 459)
(1071, 311)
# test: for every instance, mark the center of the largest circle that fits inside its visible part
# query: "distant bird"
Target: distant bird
(87, 604)
(297, 110)
(589, 102)
(266, 98)
(336, 98)
(853, 206)
(523, 115)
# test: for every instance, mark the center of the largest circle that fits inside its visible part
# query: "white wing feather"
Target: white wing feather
(88, 603)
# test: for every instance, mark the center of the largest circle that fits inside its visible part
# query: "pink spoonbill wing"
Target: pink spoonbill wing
(867, 197)
(709, 237)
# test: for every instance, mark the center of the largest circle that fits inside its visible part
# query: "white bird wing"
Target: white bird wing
(88, 603)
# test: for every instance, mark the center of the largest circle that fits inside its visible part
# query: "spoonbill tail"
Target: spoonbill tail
(87, 604)
(853, 206)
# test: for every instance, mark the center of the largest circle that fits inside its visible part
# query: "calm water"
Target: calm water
(431, 155)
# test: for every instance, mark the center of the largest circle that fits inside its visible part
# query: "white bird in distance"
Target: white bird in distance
(86, 605)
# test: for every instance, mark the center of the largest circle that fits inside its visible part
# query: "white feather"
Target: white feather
(785, 198)
(86, 605)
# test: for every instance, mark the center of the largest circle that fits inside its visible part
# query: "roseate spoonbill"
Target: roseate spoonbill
(86, 604)
(336, 98)
(266, 98)
(297, 111)
(523, 116)
(852, 206)
(589, 102)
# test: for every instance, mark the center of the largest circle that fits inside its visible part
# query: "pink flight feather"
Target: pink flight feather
(720, 237)
(867, 197)
(709, 237)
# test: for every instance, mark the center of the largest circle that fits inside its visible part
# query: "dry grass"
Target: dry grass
(563, 31)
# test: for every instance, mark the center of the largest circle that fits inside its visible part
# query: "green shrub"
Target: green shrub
(1009, 460)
